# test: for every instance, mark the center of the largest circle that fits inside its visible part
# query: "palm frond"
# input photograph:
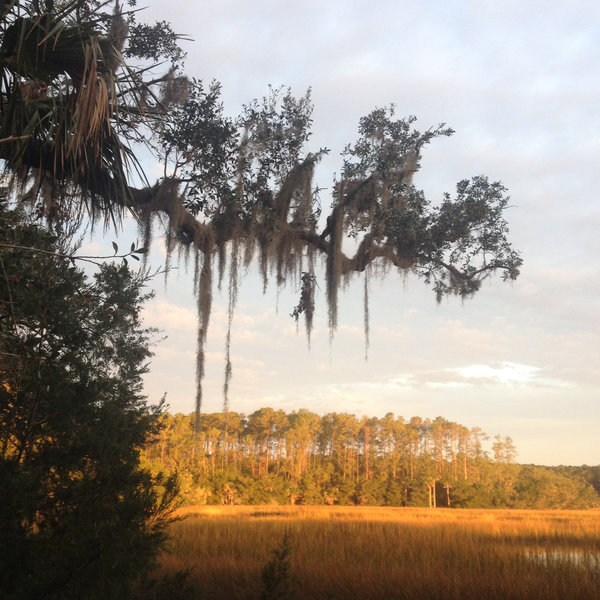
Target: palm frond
(59, 114)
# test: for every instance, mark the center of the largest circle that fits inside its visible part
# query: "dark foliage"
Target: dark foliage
(80, 518)
(277, 579)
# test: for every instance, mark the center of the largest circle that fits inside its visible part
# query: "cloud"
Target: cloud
(163, 314)
(502, 375)
(92, 249)
(508, 374)
(505, 373)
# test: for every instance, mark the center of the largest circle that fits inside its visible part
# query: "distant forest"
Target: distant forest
(304, 458)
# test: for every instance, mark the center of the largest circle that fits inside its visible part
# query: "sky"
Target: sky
(520, 85)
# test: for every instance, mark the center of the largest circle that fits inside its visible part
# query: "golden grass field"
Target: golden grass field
(385, 553)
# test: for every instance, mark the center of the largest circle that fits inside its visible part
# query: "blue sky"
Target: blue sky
(520, 85)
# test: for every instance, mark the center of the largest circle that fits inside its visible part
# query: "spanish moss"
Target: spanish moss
(366, 312)
(204, 301)
(233, 294)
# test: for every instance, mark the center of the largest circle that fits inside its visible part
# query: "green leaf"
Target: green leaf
(115, 247)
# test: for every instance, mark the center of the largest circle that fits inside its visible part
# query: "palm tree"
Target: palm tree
(61, 104)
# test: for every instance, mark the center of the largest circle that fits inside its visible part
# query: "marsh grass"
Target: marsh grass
(384, 553)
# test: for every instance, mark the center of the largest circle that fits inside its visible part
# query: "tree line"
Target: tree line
(300, 457)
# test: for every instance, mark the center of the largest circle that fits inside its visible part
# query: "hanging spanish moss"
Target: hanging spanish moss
(378, 212)
(366, 312)
(334, 265)
(306, 305)
(233, 294)
(204, 301)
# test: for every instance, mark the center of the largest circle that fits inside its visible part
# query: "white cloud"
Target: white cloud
(505, 373)
(508, 374)
(165, 315)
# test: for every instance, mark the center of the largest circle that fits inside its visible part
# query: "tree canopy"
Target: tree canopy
(80, 91)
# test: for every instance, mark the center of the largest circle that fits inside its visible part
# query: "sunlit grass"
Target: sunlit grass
(363, 553)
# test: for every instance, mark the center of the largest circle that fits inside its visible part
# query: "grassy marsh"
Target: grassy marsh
(384, 553)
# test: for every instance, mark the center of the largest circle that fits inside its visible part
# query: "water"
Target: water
(552, 556)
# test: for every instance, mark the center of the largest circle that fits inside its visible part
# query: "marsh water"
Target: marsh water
(577, 557)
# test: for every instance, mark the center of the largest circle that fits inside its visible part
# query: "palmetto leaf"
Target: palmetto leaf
(59, 113)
